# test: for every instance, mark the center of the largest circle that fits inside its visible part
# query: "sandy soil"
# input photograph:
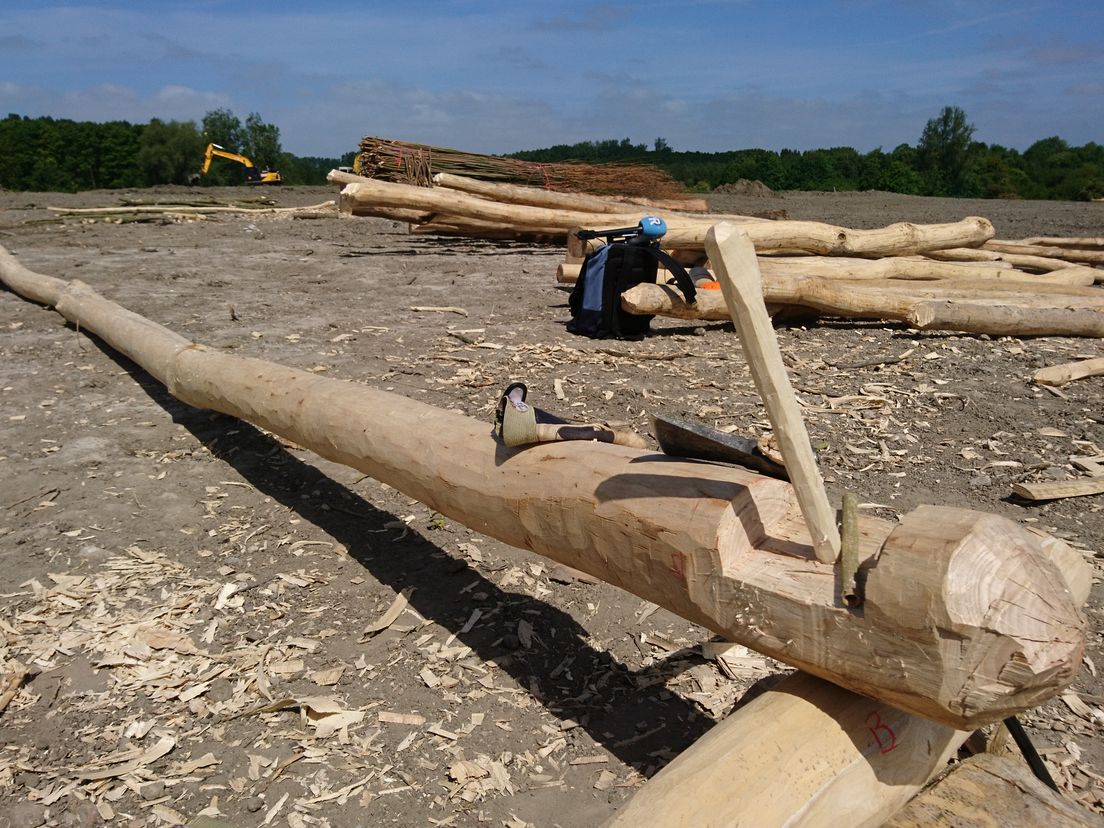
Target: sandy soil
(170, 572)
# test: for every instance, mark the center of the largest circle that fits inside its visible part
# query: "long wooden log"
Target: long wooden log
(354, 208)
(1009, 318)
(427, 223)
(538, 197)
(1070, 254)
(189, 209)
(916, 269)
(1066, 241)
(901, 239)
(995, 315)
(686, 231)
(1038, 264)
(901, 268)
(805, 754)
(578, 249)
(966, 618)
(341, 178)
(689, 204)
(473, 230)
(871, 299)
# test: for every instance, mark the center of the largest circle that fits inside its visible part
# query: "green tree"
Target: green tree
(871, 167)
(223, 127)
(943, 152)
(261, 142)
(169, 153)
(899, 177)
(117, 148)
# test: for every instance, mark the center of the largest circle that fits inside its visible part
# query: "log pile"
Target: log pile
(952, 277)
(400, 161)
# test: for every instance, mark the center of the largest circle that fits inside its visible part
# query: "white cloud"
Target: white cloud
(111, 102)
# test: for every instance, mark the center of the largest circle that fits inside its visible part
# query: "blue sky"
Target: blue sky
(498, 76)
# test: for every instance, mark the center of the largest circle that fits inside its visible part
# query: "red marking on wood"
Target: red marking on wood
(678, 565)
(883, 734)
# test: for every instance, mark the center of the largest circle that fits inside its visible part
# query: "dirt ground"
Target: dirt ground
(195, 593)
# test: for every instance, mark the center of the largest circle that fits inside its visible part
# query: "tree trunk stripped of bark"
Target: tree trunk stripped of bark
(918, 269)
(185, 209)
(1070, 254)
(686, 230)
(438, 224)
(361, 194)
(443, 225)
(578, 249)
(966, 618)
(538, 197)
(989, 308)
(1036, 264)
(1009, 318)
(805, 754)
(1066, 241)
(898, 268)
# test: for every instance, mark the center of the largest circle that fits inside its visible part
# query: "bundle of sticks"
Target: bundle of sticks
(389, 160)
(952, 276)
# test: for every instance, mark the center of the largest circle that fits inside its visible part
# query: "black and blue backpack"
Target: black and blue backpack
(631, 255)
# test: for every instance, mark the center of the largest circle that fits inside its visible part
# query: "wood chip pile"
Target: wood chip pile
(389, 160)
(180, 673)
(954, 277)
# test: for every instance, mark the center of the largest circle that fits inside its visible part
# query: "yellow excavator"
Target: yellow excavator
(252, 174)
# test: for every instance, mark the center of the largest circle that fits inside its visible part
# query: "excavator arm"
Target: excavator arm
(253, 175)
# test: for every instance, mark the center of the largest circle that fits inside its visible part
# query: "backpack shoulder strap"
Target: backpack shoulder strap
(681, 277)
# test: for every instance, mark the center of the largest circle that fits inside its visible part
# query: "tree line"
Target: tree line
(48, 154)
(946, 161)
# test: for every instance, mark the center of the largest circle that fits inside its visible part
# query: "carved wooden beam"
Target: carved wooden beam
(966, 617)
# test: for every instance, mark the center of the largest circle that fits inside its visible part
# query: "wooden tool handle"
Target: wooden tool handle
(733, 256)
(551, 432)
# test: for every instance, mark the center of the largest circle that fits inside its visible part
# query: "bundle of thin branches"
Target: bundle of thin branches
(407, 163)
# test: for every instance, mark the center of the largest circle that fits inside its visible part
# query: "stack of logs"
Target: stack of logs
(954, 277)
(390, 160)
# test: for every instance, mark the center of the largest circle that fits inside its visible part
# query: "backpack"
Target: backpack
(631, 256)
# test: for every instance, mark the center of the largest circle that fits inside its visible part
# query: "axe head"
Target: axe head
(515, 420)
(681, 438)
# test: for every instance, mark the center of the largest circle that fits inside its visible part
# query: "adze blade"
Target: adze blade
(682, 438)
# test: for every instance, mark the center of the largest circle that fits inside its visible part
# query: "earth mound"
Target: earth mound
(745, 188)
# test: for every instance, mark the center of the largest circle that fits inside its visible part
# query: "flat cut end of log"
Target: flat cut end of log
(1006, 628)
